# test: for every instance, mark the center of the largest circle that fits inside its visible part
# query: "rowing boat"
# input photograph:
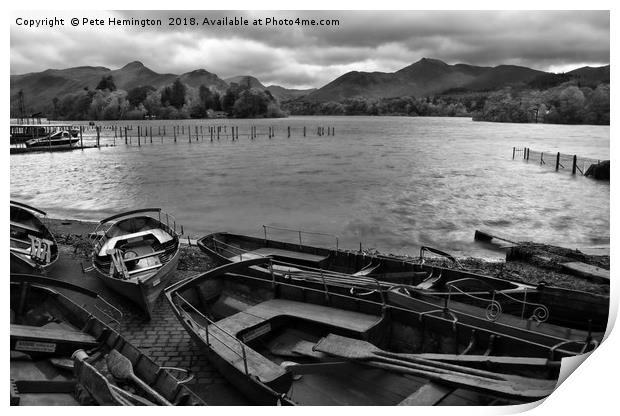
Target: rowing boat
(33, 247)
(264, 337)
(577, 310)
(136, 253)
(62, 353)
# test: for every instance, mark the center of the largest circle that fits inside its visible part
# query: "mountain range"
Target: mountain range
(423, 78)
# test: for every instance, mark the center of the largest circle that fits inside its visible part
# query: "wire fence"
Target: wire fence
(555, 160)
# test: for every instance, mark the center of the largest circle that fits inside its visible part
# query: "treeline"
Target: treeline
(550, 99)
(567, 103)
(399, 106)
(175, 101)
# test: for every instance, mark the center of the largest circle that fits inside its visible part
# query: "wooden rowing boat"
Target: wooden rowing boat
(541, 303)
(264, 337)
(136, 254)
(60, 351)
(32, 245)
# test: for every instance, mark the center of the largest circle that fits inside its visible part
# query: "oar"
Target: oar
(361, 350)
(121, 368)
(367, 353)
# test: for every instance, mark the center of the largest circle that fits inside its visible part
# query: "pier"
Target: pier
(139, 135)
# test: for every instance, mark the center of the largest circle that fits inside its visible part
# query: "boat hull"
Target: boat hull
(144, 293)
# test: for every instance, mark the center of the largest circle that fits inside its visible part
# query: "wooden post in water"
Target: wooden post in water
(528, 154)
(574, 164)
(542, 162)
(304, 131)
(138, 135)
(289, 131)
(125, 134)
(98, 130)
(151, 133)
(196, 133)
(174, 131)
(557, 162)
(81, 142)
(513, 153)
(333, 131)
(218, 133)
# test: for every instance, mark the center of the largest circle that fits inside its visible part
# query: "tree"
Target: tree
(174, 95)
(106, 83)
(137, 95)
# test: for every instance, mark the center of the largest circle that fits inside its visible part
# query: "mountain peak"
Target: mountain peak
(431, 61)
(134, 65)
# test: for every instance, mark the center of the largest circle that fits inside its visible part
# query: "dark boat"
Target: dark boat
(136, 254)
(59, 139)
(64, 354)
(288, 342)
(541, 303)
(32, 245)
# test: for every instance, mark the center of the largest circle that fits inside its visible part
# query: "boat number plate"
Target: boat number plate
(35, 346)
(256, 332)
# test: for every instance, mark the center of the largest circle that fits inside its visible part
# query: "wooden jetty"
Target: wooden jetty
(97, 136)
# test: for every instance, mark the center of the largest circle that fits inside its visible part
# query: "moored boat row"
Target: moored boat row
(296, 324)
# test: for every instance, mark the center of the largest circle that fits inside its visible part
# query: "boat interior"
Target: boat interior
(270, 331)
(30, 240)
(47, 329)
(526, 301)
(134, 248)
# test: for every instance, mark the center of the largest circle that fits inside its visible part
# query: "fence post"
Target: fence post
(574, 164)
(557, 162)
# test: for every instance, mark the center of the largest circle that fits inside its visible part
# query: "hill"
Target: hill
(423, 78)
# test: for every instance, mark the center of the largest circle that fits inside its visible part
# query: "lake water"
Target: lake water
(391, 183)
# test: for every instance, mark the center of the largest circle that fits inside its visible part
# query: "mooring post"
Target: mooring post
(196, 133)
(528, 154)
(557, 162)
(174, 131)
(304, 131)
(98, 130)
(574, 164)
(81, 142)
(218, 133)
(289, 131)
(151, 133)
(138, 134)
(125, 134)
(333, 131)
(513, 152)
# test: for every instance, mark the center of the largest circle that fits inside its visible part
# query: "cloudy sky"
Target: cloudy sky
(301, 57)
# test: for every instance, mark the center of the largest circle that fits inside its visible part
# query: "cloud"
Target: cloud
(295, 56)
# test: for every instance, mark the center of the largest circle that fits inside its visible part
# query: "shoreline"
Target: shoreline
(542, 266)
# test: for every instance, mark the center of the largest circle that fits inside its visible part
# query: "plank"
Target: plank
(428, 395)
(268, 251)
(588, 271)
(49, 340)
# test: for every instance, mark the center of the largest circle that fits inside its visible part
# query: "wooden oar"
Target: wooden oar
(369, 354)
(121, 368)
(362, 350)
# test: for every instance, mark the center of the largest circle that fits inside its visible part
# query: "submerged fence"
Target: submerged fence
(558, 161)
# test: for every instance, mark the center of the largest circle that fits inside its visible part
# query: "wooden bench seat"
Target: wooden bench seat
(23, 226)
(50, 338)
(276, 252)
(253, 322)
